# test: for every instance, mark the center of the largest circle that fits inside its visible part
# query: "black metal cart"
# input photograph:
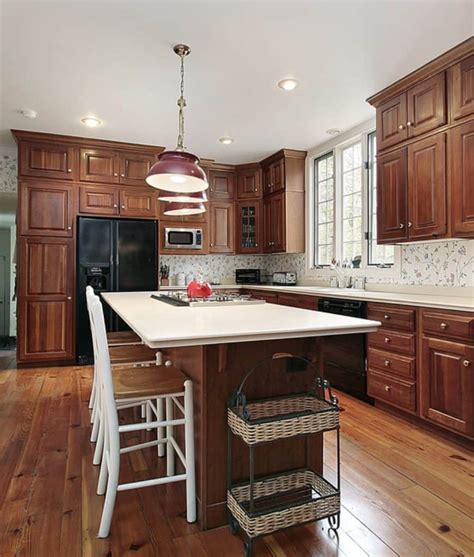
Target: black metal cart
(264, 505)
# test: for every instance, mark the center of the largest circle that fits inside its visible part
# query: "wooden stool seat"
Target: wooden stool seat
(142, 382)
(131, 354)
(120, 338)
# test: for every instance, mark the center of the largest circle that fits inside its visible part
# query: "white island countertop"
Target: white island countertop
(161, 325)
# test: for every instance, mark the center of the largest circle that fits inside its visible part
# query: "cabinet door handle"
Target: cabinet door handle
(256, 245)
(387, 363)
(69, 227)
(69, 298)
(69, 170)
(387, 340)
(123, 206)
(115, 205)
(466, 363)
(387, 388)
(410, 124)
(444, 325)
(401, 127)
(212, 245)
(401, 225)
(386, 316)
(122, 175)
(410, 224)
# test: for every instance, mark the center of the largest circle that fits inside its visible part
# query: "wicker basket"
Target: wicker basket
(282, 417)
(282, 501)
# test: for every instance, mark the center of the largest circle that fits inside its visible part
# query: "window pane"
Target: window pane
(324, 209)
(352, 202)
(378, 254)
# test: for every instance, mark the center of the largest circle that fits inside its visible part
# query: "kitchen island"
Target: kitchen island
(215, 347)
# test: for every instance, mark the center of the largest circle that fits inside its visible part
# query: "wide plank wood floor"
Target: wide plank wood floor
(404, 491)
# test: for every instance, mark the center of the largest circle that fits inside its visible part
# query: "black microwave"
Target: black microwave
(247, 276)
(184, 238)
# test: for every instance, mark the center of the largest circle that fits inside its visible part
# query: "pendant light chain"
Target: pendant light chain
(181, 103)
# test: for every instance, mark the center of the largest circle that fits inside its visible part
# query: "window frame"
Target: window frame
(316, 204)
(335, 146)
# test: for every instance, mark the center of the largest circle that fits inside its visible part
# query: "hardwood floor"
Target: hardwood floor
(404, 492)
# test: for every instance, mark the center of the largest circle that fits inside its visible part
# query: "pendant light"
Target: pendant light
(178, 171)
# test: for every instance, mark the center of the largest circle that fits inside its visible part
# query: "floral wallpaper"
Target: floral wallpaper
(8, 171)
(444, 263)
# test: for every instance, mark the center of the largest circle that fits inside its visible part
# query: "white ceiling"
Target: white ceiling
(66, 59)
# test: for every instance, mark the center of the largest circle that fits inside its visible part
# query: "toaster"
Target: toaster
(284, 278)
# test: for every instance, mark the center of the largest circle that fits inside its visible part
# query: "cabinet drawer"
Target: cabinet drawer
(449, 325)
(402, 319)
(269, 297)
(393, 340)
(393, 391)
(392, 363)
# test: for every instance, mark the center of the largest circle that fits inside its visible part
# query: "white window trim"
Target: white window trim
(337, 144)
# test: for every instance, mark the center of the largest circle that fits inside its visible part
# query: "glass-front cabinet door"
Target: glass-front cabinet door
(249, 227)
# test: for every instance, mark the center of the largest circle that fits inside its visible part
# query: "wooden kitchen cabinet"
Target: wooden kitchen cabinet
(461, 81)
(46, 299)
(248, 227)
(392, 197)
(134, 168)
(461, 178)
(135, 202)
(99, 200)
(99, 165)
(427, 214)
(47, 160)
(249, 182)
(222, 182)
(46, 208)
(447, 384)
(274, 223)
(426, 103)
(391, 120)
(222, 225)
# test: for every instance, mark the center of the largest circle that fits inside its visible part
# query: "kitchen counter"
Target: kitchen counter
(161, 325)
(458, 303)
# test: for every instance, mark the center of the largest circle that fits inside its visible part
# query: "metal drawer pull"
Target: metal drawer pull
(444, 325)
(386, 316)
(387, 388)
(387, 363)
(387, 340)
(466, 363)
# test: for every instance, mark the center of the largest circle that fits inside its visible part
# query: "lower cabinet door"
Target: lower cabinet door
(45, 299)
(447, 384)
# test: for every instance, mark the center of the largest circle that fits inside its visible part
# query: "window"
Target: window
(378, 254)
(324, 208)
(345, 206)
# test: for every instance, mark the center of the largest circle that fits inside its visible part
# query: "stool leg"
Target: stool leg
(110, 495)
(189, 452)
(169, 433)
(99, 446)
(148, 414)
(161, 430)
(104, 469)
(93, 392)
(143, 410)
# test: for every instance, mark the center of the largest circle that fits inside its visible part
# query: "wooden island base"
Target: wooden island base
(216, 371)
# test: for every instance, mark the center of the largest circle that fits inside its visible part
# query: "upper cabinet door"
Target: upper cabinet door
(461, 175)
(248, 226)
(391, 122)
(427, 105)
(134, 168)
(99, 165)
(392, 197)
(278, 174)
(138, 203)
(221, 227)
(249, 184)
(427, 188)
(221, 184)
(98, 200)
(278, 222)
(46, 209)
(461, 77)
(47, 160)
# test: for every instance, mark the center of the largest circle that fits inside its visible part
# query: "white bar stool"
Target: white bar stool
(129, 385)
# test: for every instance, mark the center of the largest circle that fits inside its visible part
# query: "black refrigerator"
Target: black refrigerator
(113, 255)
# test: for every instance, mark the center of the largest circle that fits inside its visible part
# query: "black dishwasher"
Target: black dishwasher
(345, 355)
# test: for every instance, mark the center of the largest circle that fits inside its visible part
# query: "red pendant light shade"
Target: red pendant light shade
(177, 209)
(177, 171)
(180, 197)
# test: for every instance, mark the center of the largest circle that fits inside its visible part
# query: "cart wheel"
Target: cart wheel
(334, 521)
(233, 525)
(248, 546)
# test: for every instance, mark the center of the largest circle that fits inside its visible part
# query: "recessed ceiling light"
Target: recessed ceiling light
(288, 84)
(91, 121)
(29, 113)
(226, 140)
(333, 131)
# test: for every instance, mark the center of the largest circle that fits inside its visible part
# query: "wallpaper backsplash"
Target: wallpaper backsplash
(445, 263)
